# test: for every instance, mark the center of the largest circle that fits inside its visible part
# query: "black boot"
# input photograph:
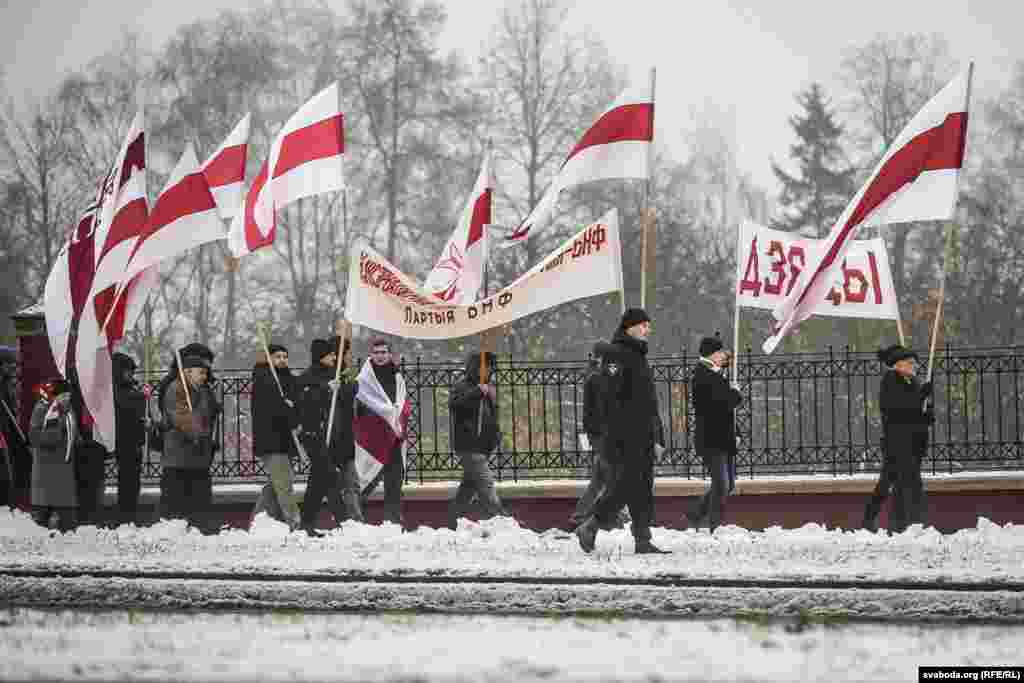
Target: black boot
(312, 531)
(645, 547)
(587, 535)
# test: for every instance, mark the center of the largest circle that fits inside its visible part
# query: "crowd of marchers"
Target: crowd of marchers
(329, 412)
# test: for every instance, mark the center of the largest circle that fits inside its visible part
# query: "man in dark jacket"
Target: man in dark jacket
(332, 470)
(714, 405)
(273, 442)
(475, 435)
(905, 421)
(130, 416)
(634, 433)
(191, 411)
(594, 427)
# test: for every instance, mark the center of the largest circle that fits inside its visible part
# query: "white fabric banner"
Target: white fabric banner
(384, 299)
(769, 263)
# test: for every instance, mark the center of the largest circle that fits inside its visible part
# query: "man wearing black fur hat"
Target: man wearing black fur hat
(130, 416)
(905, 422)
(273, 419)
(13, 461)
(475, 436)
(634, 432)
(332, 470)
(714, 404)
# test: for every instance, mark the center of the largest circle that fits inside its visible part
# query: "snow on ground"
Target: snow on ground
(286, 646)
(500, 548)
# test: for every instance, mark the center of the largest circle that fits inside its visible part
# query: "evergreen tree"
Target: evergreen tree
(824, 182)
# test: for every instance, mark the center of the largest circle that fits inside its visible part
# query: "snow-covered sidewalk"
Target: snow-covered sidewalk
(500, 548)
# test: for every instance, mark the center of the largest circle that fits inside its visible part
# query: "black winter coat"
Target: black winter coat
(902, 401)
(630, 401)
(466, 403)
(272, 419)
(130, 415)
(714, 404)
(594, 389)
(314, 405)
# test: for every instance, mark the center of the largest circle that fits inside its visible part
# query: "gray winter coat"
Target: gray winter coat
(188, 443)
(53, 472)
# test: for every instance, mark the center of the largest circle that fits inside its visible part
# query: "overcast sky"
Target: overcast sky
(740, 55)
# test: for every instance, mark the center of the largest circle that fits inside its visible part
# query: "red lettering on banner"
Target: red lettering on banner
(795, 270)
(778, 266)
(751, 281)
(850, 274)
(873, 264)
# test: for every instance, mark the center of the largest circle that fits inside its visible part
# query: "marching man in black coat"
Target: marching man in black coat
(714, 403)
(902, 399)
(633, 434)
(273, 419)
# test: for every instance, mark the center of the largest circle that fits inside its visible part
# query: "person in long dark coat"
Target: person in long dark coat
(11, 440)
(130, 416)
(714, 405)
(905, 421)
(53, 433)
(634, 433)
(332, 469)
(274, 416)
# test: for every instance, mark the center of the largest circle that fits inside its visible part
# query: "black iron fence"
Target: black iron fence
(803, 414)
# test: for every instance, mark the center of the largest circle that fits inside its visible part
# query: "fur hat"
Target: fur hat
(633, 316)
(276, 348)
(194, 361)
(895, 353)
(708, 345)
(197, 349)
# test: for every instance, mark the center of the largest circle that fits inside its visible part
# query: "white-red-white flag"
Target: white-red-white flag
(184, 216)
(225, 170)
(305, 159)
(67, 287)
(122, 218)
(916, 180)
(616, 146)
(382, 427)
(459, 273)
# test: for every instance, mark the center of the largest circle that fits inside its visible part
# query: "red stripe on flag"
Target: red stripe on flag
(134, 159)
(621, 124)
(481, 216)
(227, 167)
(936, 149)
(254, 239)
(81, 262)
(374, 435)
(317, 141)
(190, 196)
(130, 221)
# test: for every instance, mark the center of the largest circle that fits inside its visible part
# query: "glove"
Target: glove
(927, 388)
(334, 384)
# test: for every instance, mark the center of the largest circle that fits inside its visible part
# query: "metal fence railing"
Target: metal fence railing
(803, 414)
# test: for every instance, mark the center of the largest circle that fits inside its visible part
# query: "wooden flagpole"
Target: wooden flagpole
(736, 310)
(344, 330)
(647, 229)
(184, 382)
(261, 332)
